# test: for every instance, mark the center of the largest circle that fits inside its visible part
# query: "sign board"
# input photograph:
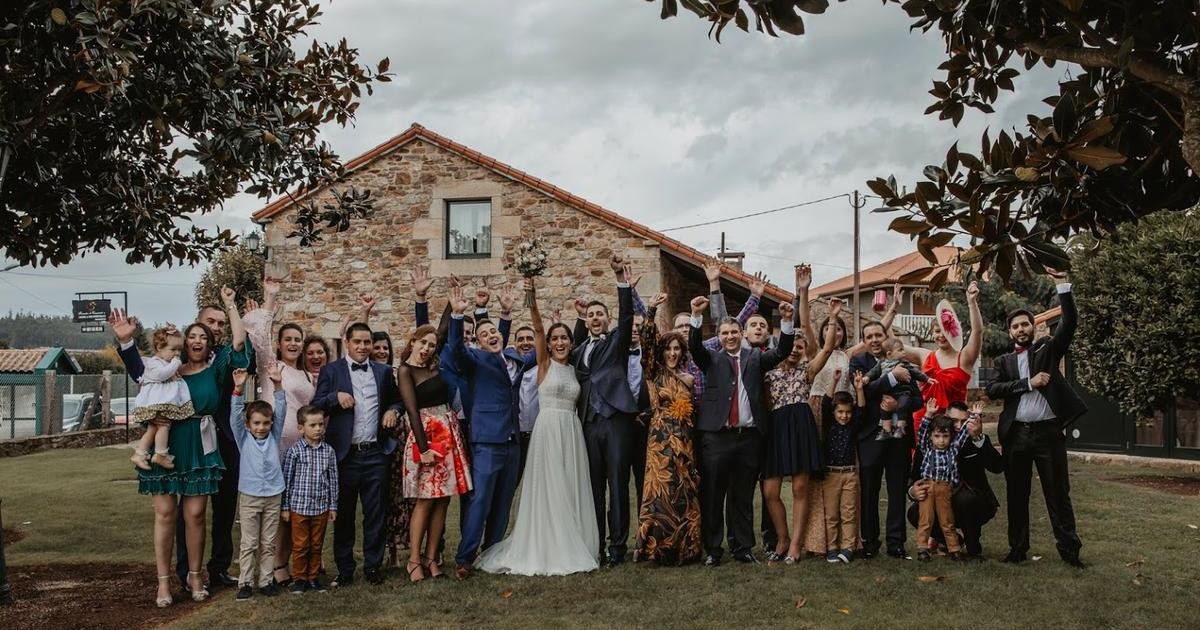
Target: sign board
(92, 328)
(84, 311)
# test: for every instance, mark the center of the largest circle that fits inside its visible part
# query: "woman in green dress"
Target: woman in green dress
(198, 463)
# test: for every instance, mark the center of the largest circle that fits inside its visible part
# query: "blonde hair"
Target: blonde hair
(162, 333)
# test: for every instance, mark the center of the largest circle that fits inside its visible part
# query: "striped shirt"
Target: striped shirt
(940, 464)
(312, 479)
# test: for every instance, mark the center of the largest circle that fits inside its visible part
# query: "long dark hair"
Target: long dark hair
(207, 333)
(657, 358)
(821, 333)
(279, 341)
(380, 335)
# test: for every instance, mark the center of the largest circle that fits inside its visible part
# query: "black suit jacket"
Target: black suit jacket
(869, 419)
(606, 376)
(1045, 355)
(718, 379)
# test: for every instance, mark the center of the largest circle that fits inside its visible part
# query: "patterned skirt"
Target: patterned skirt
(448, 476)
(669, 518)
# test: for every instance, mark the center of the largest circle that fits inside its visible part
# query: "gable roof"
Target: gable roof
(417, 132)
(886, 273)
(28, 361)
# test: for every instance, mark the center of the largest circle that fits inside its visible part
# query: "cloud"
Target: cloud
(649, 118)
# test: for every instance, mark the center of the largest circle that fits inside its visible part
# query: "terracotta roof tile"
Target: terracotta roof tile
(886, 273)
(20, 361)
(416, 131)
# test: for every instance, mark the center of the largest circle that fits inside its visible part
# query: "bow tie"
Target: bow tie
(358, 366)
(1020, 349)
(635, 353)
(597, 338)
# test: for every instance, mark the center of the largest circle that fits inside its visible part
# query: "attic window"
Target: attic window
(469, 228)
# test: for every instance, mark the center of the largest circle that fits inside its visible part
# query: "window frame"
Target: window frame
(448, 203)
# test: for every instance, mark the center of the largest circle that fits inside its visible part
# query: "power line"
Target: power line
(43, 301)
(108, 280)
(757, 214)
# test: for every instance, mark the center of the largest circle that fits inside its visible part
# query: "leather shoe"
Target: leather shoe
(221, 578)
(463, 572)
(1014, 557)
(342, 579)
(1074, 561)
(899, 553)
(867, 554)
(711, 561)
(746, 558)
(373, 576)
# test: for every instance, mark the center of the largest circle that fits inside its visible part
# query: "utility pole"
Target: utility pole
(857, 203)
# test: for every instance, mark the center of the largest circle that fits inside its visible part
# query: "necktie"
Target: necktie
(358, 366)
(735, 408)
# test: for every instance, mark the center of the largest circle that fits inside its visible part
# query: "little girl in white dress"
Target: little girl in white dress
(162, 399)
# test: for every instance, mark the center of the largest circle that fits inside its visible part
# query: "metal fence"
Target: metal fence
(47, 403)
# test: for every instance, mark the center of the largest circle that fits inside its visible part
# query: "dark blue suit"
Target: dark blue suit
(224, 502)
(495, 452)
(362, 468)
(877, 456)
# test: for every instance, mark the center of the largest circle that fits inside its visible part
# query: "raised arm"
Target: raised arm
(787, 336)
(237, 331)
(259, 322)
(973, 347)
(716, 301)
(366, 305)
(803, 280)
(1061, 340)
(540, 344)
(624, 310)
(758, 284)
(454, 339)
(696, 347)
(816, 363)
(124, 328)
(237, 407)
(421, 282)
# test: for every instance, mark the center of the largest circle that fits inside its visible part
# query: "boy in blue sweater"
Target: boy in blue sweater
(256, 430)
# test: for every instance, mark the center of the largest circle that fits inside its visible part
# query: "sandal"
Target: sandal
(430, 565)
(197, 595)
(789, 561)
(140, 458)
(415, 567)
(163, 602)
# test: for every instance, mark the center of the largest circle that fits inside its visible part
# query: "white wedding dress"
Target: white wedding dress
(556, 531)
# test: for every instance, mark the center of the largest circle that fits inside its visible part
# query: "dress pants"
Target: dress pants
(1039, 444)
(259, 520)
(877, 457)
(610, 444)
(840, 492)
(361, 474)
(308, 541)
(223, 511)
(728, 475)
(495, 469)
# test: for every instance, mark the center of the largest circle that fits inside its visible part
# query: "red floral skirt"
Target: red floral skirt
(448, 476)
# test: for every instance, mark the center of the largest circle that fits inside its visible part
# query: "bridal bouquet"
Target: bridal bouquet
(530, 261)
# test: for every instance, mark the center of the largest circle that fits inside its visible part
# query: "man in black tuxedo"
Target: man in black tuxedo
(1039, 405)
(363, 403)
(973, 502)
(877, 457)
(731, 413)
(608, 410)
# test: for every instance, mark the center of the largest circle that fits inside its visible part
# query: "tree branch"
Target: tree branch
(1180, 85)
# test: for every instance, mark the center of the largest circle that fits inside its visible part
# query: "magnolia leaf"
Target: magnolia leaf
(905, 225)
(881, 187)
(800, 603)
(929, 579)
(58, 16)
(1072, 5)
(938, 279)
(1095, 129)
(914, 276)
(844, 611)
(1097, 157)
(507, 594)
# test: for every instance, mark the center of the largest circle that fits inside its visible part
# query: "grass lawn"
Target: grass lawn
(1141, 545)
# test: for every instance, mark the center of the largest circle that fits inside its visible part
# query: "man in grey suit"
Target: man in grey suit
(731, 412)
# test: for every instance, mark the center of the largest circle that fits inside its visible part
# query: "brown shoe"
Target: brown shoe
(463, 572)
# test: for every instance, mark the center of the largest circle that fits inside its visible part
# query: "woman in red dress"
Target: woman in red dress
(950, 368)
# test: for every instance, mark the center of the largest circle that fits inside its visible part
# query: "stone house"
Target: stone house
(462, 212)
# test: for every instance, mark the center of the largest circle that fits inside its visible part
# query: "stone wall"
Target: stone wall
(74, 439)
(411, 185)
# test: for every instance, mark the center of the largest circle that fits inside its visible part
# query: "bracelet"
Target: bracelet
(237, 391)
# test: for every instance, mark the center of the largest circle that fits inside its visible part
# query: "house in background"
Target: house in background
(440, 203)
(1173, 432)
(915, 317)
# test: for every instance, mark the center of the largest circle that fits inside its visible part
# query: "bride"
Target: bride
(556, 531)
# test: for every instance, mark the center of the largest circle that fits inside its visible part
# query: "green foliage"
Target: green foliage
(1139, 337)
(96, 362)
(238, 268)
(1123, 140)
(27, 330)
(121, 122)
(996, 300)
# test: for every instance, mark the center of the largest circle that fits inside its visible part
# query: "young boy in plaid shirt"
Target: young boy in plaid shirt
(310, 501)
(939, 448)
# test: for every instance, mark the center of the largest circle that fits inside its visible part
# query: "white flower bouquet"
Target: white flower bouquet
(530, 260)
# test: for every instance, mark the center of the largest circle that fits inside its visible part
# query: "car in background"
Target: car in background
(74, 406)
(122, 410)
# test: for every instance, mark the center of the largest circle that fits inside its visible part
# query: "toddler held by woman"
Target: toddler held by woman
(162, 399)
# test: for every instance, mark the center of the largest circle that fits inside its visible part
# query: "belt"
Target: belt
(738, 430)
(841, 468)
(364, 446)
(1035, 423)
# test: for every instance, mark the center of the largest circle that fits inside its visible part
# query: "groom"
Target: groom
(608, 409)
(495, 381)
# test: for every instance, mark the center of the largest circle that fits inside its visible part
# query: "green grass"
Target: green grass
(76, 513)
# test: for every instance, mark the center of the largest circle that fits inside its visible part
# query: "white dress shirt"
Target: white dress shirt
(635, 372)
(366, 403)
(745, 411)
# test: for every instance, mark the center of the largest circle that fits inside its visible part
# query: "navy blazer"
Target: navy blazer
(869, 419)
(448, 366)
(335, 378)
(1045, 354)
(495, 395)
(606, 376)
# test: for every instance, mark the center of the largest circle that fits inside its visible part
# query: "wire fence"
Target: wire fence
(46, 403)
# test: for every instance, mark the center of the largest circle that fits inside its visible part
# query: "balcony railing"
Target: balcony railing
(917, 325)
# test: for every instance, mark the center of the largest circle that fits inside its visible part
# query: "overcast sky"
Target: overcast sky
(648, 118)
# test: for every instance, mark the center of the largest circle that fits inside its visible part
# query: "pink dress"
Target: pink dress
(298, 386)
